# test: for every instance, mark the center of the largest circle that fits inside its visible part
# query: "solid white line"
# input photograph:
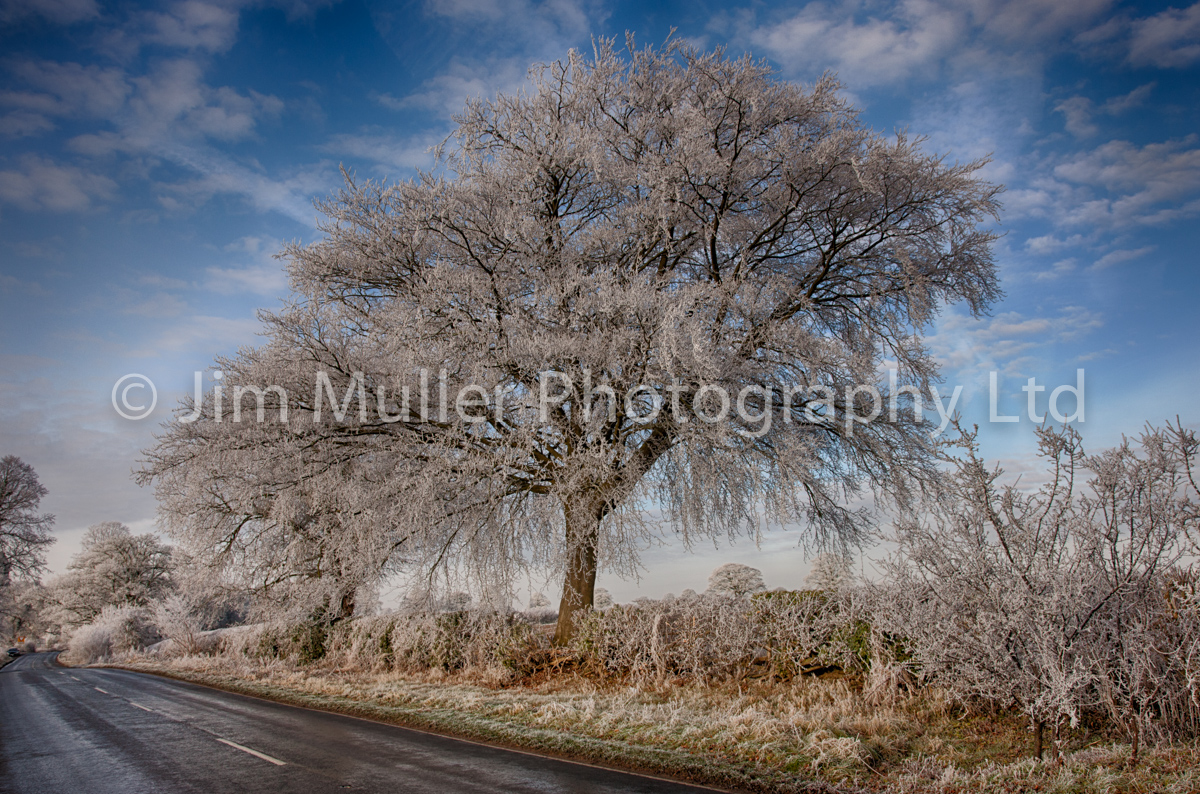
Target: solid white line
(139, 705)
(98, 689)
(254, 753)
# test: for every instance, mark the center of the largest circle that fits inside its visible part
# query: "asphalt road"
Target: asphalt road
(70, 730)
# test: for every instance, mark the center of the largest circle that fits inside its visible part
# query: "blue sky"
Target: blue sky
(154, 157)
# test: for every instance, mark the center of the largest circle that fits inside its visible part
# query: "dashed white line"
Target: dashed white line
(98, 689)
(139, 705)
(77, 679)
(254, 753)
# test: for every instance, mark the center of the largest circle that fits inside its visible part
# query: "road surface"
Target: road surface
(84, 731)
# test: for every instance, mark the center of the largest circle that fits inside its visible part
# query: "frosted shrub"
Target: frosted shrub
(713, 636)
(407, 641)
(115, 630)
(1066, 599)
(699, 638)
(178, 620)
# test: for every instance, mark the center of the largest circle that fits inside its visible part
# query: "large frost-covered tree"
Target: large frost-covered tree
(640, 229)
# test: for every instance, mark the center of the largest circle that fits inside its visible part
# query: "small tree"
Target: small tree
(631, 233)
(24, 533)
(736, 580)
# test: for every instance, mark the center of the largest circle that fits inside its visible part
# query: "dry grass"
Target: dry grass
(805, 735)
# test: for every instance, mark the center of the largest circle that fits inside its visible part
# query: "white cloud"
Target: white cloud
(1121, 255)
(875, 50)
(1007, 342)
(448, 92)
(40, 183)
(383, 149)
(1135, 98)
(173, 103)
(267, 280)
(266, 275)
(290, 195)
(22, 123)
(1049, 243)
(169, 113)
(193, 25)
(1145, 184)
(1113, 186)
(200, 333)
(1029, 20)
(13, 284)
(1169, 39)
(62, 12)
(69, 89)
(1059, 269)
(1077, 111)
(500, 39)
(871, 44)
(527, 19)
(155, 305)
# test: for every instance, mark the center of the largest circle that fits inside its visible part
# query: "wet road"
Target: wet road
(99, 731)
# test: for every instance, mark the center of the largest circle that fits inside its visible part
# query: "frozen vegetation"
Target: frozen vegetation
(658, 226)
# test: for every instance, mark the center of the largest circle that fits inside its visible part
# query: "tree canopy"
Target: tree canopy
(652, 229)
(113, 568)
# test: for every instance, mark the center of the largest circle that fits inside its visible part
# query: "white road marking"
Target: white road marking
(98, 689)
(77, 679)
(139, 705)
(254, 753)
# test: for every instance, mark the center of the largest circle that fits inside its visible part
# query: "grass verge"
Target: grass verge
(808, 736)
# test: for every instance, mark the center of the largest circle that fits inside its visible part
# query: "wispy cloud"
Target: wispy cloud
(1168, 39)
(1121, 255)
(193, 25)
(1010, 342)
(870, 44)
(265, 275)
(39, 183)
(383, 150)
(59, 12)
(1079, 112)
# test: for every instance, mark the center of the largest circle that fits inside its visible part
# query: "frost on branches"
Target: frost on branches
(640, 226)
(1073, 597)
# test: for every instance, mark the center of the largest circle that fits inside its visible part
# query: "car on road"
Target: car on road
(14, 652)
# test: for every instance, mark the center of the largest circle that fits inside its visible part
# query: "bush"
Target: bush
(115, 631)
(715, 636)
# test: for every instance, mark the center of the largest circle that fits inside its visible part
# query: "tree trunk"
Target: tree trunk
(1039, 734)
(346, 607)
(579, 583)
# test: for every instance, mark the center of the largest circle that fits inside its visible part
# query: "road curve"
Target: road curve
(93, 731)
